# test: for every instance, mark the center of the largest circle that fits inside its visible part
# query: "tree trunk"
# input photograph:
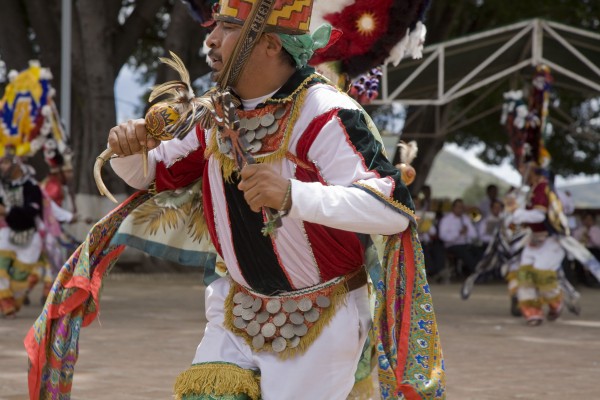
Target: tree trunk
(96, 98)
(15, 47)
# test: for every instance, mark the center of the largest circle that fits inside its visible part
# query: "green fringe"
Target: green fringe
(217, 381)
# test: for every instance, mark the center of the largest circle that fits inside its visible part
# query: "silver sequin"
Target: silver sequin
(255, 147)
(268, 330)
(261, 133)
(279, 344)
(258, 341)
(287, 331)
(273, 128)
(279, 319)
(250, 135)
(294, 342)
(262, 317)
(312, 315)
(256, 305)
(305, 304)
(248, 314)
(240, 323)
(323, 302)
(238, 310)
(248, 302)
(290, 306)
(253, 328)
(273, 306)
(296, 318)
(238, 297)
(300, 330)
(252, 123)
(267, 120)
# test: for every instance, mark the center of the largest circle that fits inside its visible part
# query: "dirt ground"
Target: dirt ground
(150, 325)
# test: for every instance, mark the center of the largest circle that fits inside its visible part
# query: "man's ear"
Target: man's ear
(274, 44)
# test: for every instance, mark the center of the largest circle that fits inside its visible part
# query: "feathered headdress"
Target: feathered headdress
(373, 33)
(29, 119)
(525, 122)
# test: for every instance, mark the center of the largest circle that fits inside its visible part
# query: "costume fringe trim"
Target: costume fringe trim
(217, 379)
(388, 200)
(337, 297)
(228, 166)
(20, 265)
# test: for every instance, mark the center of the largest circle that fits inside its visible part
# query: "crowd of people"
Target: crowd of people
(457, 242)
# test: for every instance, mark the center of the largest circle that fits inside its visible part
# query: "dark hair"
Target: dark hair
(286, 56)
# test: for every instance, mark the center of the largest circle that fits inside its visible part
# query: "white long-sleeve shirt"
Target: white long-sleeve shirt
(338, 205)
(450, 230)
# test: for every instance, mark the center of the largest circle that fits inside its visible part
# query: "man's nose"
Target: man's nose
(212, 40)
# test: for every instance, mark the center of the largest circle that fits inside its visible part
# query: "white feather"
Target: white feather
(408, 151)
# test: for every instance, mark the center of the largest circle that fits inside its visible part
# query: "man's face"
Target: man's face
(458, 208)
(496, 209)
(221, 41)
(5, 166)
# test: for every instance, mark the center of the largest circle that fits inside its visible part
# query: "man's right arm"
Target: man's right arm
(128, 140)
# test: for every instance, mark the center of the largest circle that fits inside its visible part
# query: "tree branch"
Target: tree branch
(127, 37)
(47, 33)
(184, 38)
(15, 47)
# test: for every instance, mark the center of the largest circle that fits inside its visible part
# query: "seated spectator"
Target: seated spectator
(589, 235)
(491, 195)
(490, 223)
(458, 233)
(433, 248)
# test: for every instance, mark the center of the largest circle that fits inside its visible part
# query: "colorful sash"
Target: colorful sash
(73, 302)
(408, 350)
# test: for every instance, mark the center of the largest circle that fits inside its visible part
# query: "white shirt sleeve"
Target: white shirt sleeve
(347, 208)
(60, 213)
(534, 216)
(131, 170)
(339, 204)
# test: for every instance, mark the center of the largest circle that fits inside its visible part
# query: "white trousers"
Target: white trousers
(548, 256)
(28, 254)
(324, 372)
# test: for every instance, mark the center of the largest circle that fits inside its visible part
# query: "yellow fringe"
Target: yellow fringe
(228, 165)
(390, 200)
(218, 379)
(21, 266)
(338, 296)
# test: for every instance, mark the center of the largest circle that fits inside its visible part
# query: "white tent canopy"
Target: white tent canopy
(480, 63)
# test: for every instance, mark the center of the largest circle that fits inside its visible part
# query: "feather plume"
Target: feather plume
(408, 151)
(180, 95)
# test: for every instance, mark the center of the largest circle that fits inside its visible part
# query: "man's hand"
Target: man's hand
(130, 137)
(263, 187)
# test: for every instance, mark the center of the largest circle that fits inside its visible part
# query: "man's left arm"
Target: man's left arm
(361, 190)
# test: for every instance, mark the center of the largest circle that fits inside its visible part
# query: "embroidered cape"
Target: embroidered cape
(404, 333)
